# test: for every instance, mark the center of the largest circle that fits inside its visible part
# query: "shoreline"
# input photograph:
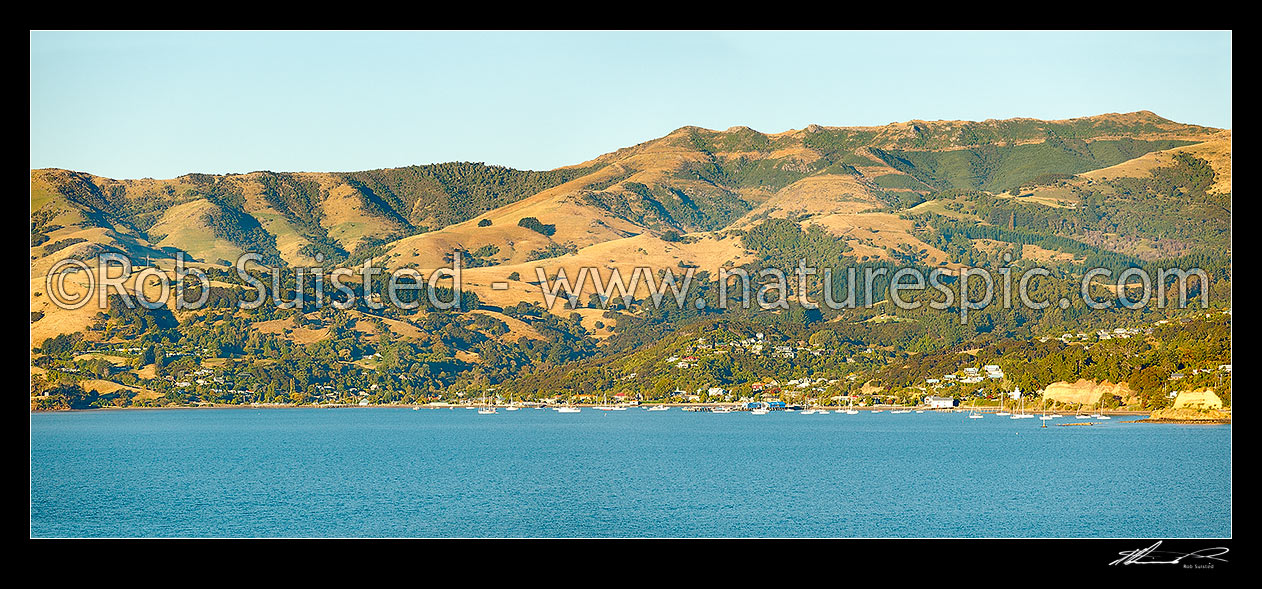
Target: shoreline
(1182, 421)
(1128, 413)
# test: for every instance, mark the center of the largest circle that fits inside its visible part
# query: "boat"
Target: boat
(603, 406)
(850, 408)
(568, 409)
(810, 409)
(1021, 414)
(657, 408)
(1099, 413)
(485, 409)
(721, 410)
(973, 414)
(1001, 412)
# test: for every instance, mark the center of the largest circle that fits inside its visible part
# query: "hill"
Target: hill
(1122, 188)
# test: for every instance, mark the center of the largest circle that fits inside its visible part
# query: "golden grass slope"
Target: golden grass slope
(183, 226)
(708, 252)
(1216, 150)
(576, 224)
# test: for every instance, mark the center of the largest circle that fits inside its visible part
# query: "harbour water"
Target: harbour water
(394, 472)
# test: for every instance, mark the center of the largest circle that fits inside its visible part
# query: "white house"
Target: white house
(939, 402)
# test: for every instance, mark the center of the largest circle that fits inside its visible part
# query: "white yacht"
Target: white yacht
(1021, 414)
(1001, 412)
(485, 409)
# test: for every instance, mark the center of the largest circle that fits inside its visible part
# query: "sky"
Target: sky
(162, 104)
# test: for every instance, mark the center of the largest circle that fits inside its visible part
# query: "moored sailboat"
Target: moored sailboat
(485, 409)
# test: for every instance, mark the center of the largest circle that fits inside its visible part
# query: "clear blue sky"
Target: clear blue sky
(140, 104)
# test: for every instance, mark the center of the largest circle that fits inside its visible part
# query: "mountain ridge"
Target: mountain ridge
(867, 187)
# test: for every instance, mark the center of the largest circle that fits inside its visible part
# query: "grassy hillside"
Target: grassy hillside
(1118, 188)
(1120, 191)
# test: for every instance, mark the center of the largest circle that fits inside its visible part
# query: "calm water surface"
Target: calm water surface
(537, 473)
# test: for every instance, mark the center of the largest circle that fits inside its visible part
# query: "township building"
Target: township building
(939, 402)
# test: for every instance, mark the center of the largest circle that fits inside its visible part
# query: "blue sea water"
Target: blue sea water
(394, 472)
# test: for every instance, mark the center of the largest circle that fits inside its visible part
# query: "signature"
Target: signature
(1151, 555)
